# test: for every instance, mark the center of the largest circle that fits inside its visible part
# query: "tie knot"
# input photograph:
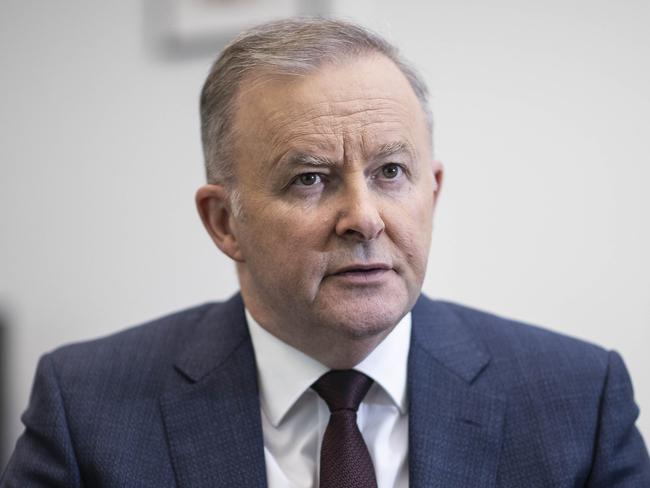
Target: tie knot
(342, 389)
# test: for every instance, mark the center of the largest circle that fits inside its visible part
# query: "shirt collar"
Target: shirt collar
(285, 373)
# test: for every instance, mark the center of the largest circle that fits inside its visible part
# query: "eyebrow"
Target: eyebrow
(316, 161)
(392, 148)
(304, 159)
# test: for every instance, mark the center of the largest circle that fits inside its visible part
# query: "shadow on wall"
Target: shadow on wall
(4, 392)
(182, 29)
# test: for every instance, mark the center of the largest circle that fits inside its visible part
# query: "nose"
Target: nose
(359, 217)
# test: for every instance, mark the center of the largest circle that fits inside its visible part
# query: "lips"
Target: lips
(365, 268)
(361, 275)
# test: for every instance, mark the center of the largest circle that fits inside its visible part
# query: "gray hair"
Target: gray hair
(296, 46)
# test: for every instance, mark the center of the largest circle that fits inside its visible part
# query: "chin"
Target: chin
(367, 317)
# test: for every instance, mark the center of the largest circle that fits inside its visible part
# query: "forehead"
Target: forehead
(350, 106)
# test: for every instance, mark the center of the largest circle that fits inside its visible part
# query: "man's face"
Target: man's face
(337, 189)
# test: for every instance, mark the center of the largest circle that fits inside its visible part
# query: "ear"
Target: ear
(438, 172)
(213, 204)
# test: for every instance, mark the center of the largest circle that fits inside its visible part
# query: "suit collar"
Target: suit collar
(455, 424)
(212, 420)
(436, 329)
(442, 334)
(218, 333)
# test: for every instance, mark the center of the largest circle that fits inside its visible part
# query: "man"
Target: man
(330, 368)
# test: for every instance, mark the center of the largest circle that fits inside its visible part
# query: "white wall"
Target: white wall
(542, 119)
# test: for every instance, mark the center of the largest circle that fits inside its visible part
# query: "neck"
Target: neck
(336, 348)
(338, 352)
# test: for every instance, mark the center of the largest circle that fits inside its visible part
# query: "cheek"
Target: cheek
(296, 229)
(285, 241)
(411, 231)
(414, 244)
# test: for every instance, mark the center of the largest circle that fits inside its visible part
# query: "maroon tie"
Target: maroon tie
(344, 459)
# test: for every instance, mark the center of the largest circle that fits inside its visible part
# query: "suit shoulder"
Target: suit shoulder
(528, 361)
(156, 331)
(136, 351)
(527, 343)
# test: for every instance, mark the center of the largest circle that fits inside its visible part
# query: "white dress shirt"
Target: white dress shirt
(294, 417)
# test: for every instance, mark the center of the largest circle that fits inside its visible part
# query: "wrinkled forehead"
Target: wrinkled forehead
(367, 100)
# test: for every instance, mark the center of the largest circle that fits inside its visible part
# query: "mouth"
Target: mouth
(365, 273)
(362, 268)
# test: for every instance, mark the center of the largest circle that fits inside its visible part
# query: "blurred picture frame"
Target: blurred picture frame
(189, 28)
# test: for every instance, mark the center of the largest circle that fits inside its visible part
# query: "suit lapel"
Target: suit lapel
(455, 426)
(212, 419)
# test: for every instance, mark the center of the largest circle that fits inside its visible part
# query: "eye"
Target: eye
(308, 179)
(391, 171)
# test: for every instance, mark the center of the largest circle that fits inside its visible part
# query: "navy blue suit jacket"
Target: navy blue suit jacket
(174, 403)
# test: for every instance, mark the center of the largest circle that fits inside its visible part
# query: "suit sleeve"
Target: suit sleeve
(44, 454)
(621, 458)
